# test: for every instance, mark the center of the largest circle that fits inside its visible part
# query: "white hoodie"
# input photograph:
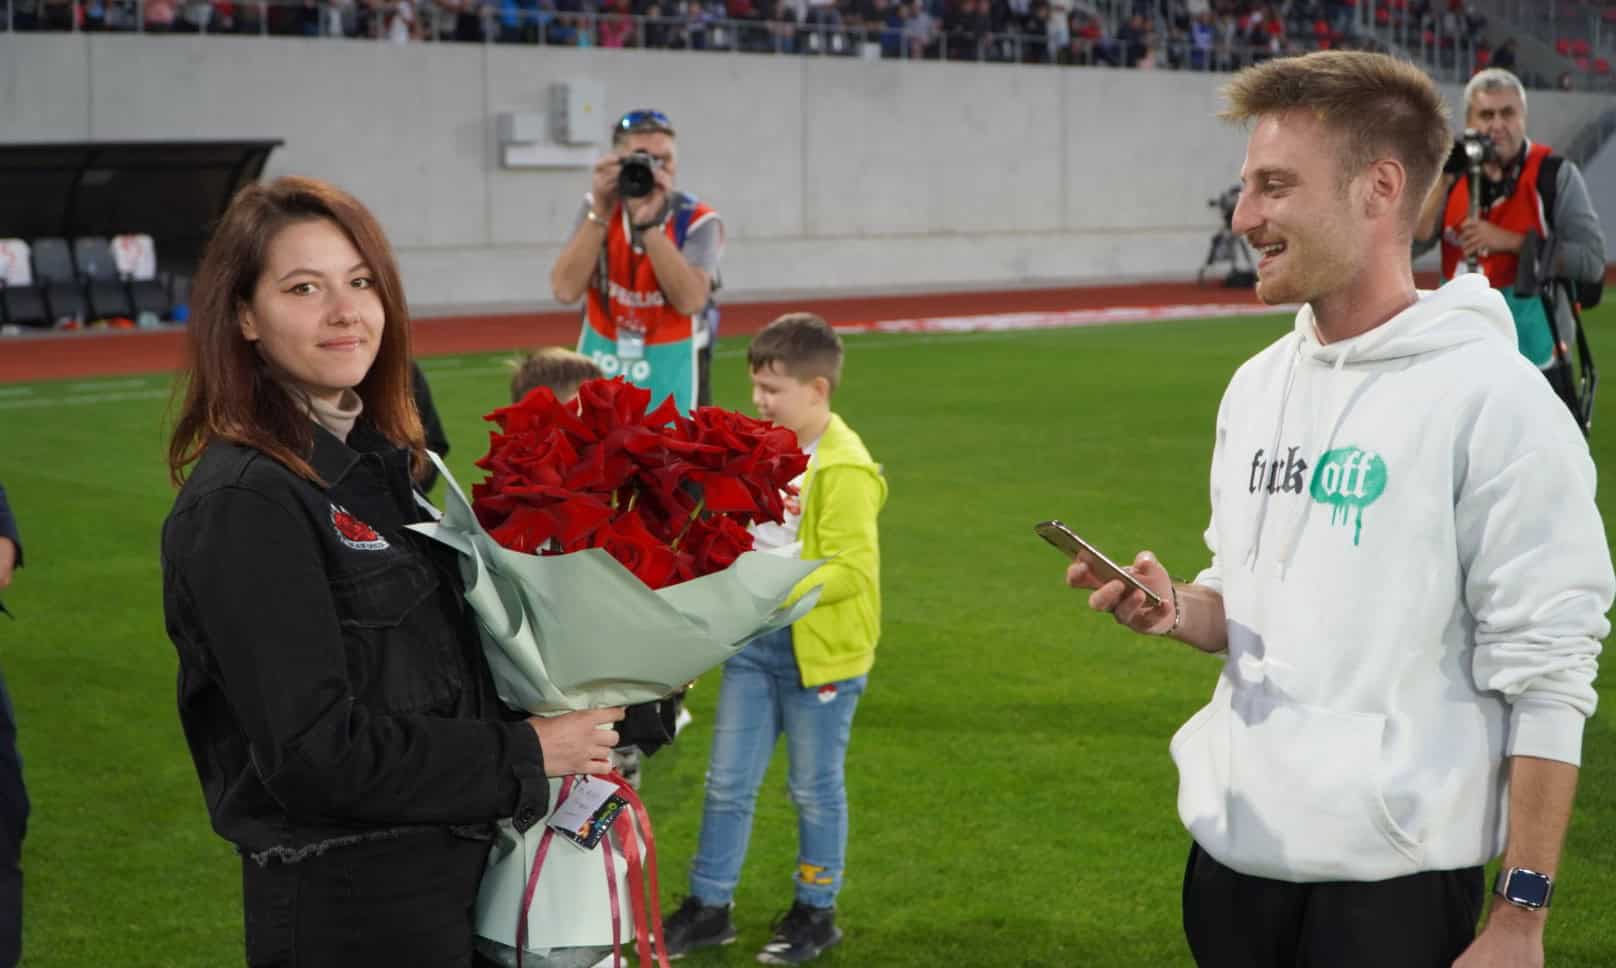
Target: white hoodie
(1415, 578)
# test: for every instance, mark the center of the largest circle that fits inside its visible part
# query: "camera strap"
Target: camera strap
(683, 213)
(1493, 192)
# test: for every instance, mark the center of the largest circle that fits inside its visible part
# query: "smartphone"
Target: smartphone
(1075, 547)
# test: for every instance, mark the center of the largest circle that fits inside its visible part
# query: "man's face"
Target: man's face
(1501, 116)
(654, 143)
(1295, 211)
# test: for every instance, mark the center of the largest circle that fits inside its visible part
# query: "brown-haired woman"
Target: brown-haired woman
(331, 687)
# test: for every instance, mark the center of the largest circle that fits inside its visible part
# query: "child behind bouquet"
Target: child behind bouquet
(650, 725)
(804, 680)
(562, 370)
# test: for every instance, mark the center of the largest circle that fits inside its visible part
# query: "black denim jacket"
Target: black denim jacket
(331, 685)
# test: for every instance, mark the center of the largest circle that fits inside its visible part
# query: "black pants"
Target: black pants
(1234, 920)
(704, 375)
(402, 901)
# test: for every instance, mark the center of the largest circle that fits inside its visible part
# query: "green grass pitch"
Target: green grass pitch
(1012, 797)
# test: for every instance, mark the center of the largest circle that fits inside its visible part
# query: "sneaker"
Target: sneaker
(801, 935)
(696, 925)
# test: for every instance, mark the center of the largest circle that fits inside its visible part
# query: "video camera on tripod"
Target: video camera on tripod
(1229, 247)
(1225, 202)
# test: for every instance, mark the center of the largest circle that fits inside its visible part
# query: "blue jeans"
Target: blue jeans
(761, 697)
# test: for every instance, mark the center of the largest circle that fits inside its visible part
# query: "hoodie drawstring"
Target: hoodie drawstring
(1279, 431)
(1341, 403)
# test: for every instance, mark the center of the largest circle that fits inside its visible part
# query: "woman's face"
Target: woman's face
(315, 313)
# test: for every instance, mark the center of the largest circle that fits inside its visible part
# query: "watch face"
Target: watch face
(1527, 888)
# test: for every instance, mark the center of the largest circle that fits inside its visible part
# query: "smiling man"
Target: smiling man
(1409, 576)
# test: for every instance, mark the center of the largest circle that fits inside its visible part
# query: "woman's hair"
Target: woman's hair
(228, 392)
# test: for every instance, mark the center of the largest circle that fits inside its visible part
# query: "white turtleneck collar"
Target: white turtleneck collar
(338, 417)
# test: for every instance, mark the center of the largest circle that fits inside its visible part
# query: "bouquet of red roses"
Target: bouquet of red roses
(669, 497)
(607, 560)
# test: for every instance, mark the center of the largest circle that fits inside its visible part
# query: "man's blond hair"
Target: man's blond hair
(1377, 107)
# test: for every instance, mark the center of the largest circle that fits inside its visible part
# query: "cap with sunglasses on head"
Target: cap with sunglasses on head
(642, 120)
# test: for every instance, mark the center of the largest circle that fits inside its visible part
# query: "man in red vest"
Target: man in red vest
(1534, 219)
(644, 256)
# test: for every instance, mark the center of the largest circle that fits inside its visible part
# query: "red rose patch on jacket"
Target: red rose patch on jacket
(355, 533)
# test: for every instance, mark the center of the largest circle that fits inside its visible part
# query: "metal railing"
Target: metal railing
(1554, 21)
(390, 20)
(1447, 53)
(1550, 20)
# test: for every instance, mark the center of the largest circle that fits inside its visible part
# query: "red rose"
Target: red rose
(666, 495)
(715, 542)
(540, 514)
(637, 549)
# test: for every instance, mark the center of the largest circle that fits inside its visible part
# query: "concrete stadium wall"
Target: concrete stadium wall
(832, 175)
(1600, 174)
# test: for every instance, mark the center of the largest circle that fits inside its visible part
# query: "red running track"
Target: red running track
(107, 353)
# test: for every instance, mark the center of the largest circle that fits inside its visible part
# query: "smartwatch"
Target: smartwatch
(1524, 888)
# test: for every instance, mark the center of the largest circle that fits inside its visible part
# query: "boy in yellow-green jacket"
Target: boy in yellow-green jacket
(803, 681)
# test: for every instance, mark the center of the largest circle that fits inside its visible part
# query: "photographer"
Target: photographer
(1532, 224)
(644, 257)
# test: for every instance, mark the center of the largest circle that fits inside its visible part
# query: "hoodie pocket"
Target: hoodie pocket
(1291, 791)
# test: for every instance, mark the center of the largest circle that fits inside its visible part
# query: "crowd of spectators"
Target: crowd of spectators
(1180, 34)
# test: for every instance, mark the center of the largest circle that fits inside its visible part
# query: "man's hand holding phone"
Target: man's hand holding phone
(1128, 605)
(1140, 597)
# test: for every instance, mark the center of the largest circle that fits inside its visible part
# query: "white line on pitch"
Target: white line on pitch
(102, 386)
(82, 399)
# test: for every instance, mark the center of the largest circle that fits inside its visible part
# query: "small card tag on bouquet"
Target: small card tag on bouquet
(587, 813)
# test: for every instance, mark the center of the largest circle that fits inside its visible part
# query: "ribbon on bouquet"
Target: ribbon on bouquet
(643, 880)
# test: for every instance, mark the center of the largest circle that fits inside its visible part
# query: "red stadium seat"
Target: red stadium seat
(1563, 47)
(1601, 66)
(1580, 48)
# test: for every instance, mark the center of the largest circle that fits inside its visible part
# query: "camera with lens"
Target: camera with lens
(1225, 202)
(635, 174)
(1478, 148)
(1470, 150)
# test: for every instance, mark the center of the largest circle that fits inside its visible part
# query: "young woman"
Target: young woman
(331, 686)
